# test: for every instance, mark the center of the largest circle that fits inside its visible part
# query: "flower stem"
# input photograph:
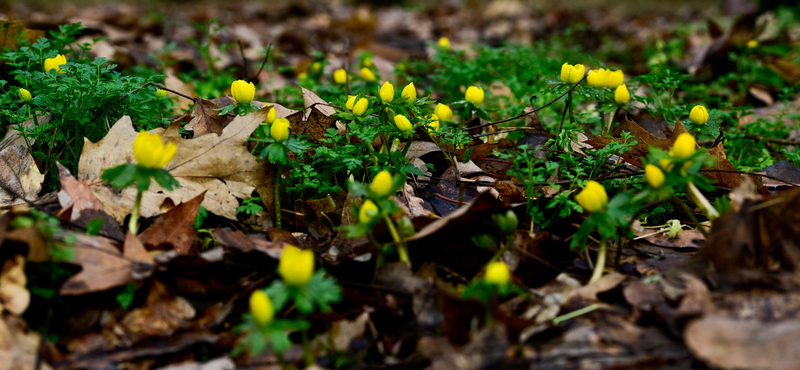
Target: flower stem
(277, 199)
(702, 201)
(133, 224)
(600, 265)
(571, 111)
(575, 314)
(402, 251)
(611, 121)
(307, 355)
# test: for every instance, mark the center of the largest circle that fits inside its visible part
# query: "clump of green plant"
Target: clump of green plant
(55, 99)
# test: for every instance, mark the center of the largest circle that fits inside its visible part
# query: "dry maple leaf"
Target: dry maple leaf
(220, 165)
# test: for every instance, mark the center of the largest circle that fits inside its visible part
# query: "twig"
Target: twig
(264, 63)
(527, 113)
(244, 59)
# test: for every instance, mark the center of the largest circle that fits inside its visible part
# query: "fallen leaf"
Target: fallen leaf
(206, 118)
(14, 296)
(174, 228)
(12, 32)
(19, 174)
(220, 165)
(644, 140)
(174, 83)
(744, 344)
(75, 194)
(161, 316)
(104, 267)
(18, 345)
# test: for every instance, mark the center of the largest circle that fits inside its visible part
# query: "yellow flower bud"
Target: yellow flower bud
(409, 93)
(684, 146)
(261, 308)
(302, 76)
(665, 163)
(340, 76)
(279, 130)
(597, 77)
(497, 273)
(351, 101)
(55, 63)
(474, 95)
(367, 212)
(699, 115)
(443, 112)
(367, 62)
(367, 75)
(654, 175)
(444, 43)
(622, 95)
(316, 67)
(387, 92)
(360, 107)
(402, 123)
(161, 93)
(271, 115)
(615, 79)
(25, 95)
(433, 124)
(593, 197)
(296, 266)
(243, 91)
(151, 152)
(752, 43)
(382, 184)
(572, 74)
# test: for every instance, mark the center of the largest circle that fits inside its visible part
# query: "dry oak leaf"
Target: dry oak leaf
(75, 194)
(220, 165)
(19, 173)
(161, 315)
(104, 267)
(175, 228)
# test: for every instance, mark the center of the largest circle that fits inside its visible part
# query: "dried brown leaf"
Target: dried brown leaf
(174, 228)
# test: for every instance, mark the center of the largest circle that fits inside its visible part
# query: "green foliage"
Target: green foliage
(66, 107)
(251, 206)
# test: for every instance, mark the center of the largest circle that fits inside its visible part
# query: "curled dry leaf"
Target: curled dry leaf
(18, 173)
(161, 315)
(14, 296)
(175, 228)
(220, 165)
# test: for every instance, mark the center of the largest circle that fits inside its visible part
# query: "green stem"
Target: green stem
(402, 251)
(571, 111)
(575, 313)
(307, 355)
(689, 213)
(133, 224)
(277, 199)
(611, 121)
(702, 202)
(600, 265)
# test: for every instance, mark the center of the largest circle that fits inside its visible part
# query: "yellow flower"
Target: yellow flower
(621, 94)
(387, 92)
(752, 43)
(55, 63)
(161, 93)
(474, 95)
(302, 76)
(444, 43)
(402, 123)
(279, 130)
(261, 308)
(433, 123)
(271, 115)
(382, 184)
(340, 76)
(367, 62)
(443, 112)
(316, 67)
(665, 163)
(25, 95)
(654, 175)
(597, 77)
(296, 266)
(243, 91)
(409, 93)
(497, 273)
(684, 146)
(572, 73)
(360, 107)
(351, 101)
(151, 152)
(593, 197)
(615, 79)
(367, 75)
(367, 212)
(699, 115)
